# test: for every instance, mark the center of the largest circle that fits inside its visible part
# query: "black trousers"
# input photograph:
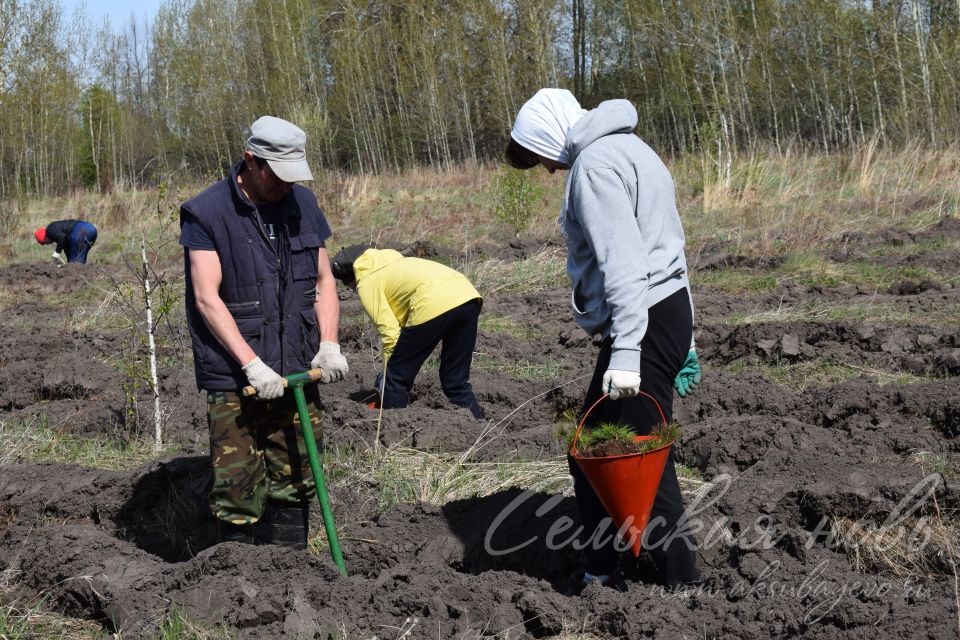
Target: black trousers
(663, 351)
(457, 331)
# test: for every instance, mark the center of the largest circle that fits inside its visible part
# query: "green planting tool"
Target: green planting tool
(297, 381)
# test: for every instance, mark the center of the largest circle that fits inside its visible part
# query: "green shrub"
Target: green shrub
(515, 198)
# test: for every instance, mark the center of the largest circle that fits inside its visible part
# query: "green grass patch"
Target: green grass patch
(14, 624)
(735, 280)
(804, 375)
(507, 326)
(801, 376)
(815, 270)
(566, 425)
(34, 440)
(102, 315)
(917, 248)
(689, 473)
(520, 369)
(937, 463)
(885, 312)
(811, 269)
(869, 274)
(177, 626)
(358, 320)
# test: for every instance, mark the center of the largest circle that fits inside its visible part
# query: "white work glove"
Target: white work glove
(266, 381)
(331, 362)
(621, 384)
(56, 256)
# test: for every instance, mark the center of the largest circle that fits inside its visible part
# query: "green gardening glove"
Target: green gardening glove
(689, 376)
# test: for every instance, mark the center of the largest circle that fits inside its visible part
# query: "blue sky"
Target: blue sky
(118, 11)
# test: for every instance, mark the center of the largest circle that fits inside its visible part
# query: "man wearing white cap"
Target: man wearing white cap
(261, 304)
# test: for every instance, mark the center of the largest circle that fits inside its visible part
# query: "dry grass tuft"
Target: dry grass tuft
(35, 440)
(413, 627)
(106, 313)
(873, 548)
(175, 625)
(22, 622)
(782, 203)
(401, 474)
(543, 270)
(800, 376)
(924, 547)
(771, 203)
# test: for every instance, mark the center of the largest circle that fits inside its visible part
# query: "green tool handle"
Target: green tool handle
(307, 427)
(292, 379)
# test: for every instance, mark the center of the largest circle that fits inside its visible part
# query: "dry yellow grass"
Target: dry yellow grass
(19, 621)
(922, 547)
(773, 203)
(875, 548)
(777, 204)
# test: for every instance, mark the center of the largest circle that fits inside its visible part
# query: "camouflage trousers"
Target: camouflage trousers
(258, 453)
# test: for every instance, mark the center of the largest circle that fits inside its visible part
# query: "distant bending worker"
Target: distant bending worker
(73, 237)
(261, 304)
(415, 304)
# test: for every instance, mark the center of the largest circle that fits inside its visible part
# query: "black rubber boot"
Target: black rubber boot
(262, 529)
(229, 532)
(290, 525)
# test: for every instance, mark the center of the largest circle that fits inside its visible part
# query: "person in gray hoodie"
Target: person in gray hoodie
(629, 283)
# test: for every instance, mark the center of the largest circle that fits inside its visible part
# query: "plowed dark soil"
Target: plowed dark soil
(126, 547)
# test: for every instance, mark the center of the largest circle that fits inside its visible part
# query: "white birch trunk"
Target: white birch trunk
(924, 70)
(154, 384)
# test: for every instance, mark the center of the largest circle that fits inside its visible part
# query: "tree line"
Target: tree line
(380, 85)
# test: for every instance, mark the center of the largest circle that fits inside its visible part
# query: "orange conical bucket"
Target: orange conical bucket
(625, 484)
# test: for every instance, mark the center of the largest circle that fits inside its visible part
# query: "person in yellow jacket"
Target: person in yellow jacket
(415, 304)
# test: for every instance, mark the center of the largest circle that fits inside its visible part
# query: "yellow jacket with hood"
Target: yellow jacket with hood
(396, 291)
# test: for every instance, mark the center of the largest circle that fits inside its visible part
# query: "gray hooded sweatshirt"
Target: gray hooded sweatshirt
(623, 233)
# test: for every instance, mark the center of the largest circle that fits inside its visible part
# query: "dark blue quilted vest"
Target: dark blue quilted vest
(270, 293)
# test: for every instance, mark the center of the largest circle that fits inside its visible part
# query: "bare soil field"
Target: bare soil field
(827, 421)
